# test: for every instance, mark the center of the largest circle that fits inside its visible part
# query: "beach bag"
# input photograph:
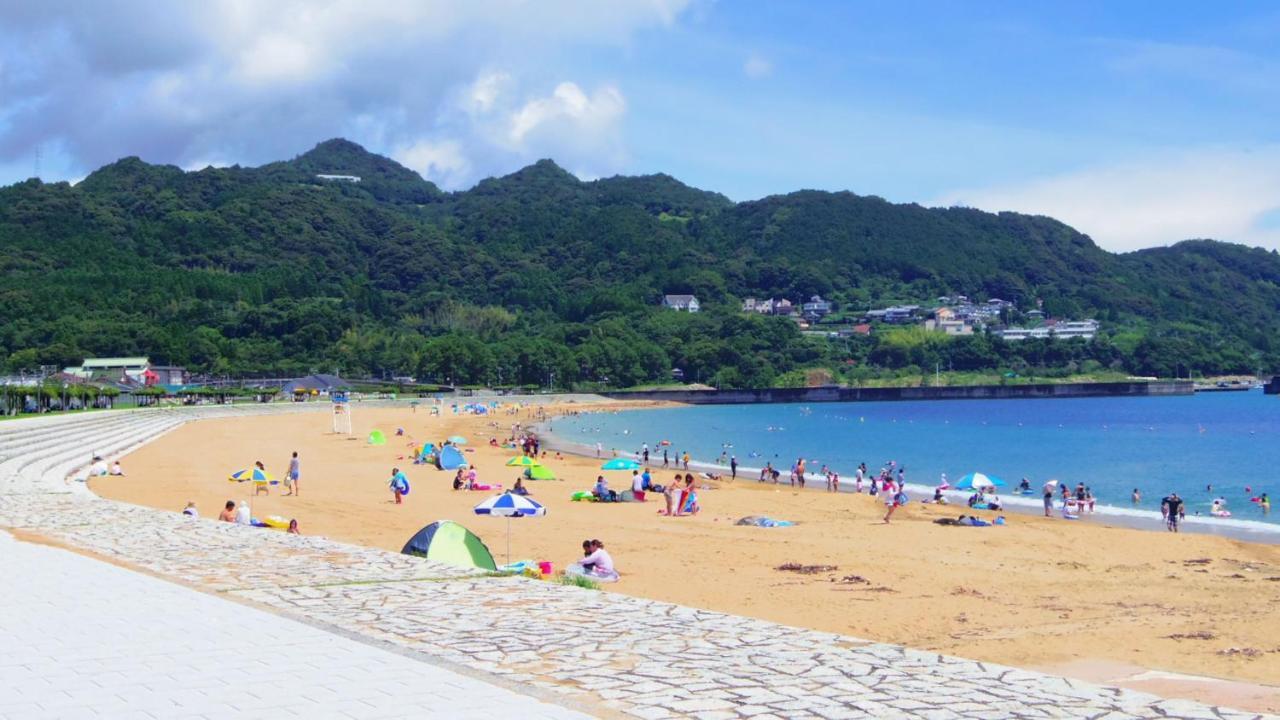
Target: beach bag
(900, 498)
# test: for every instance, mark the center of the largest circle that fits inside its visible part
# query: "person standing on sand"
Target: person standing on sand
(291, 478)
(1048, 499)
(733, 468)
(399, 483)
(686, 459)
(665, 461)
(890, 493)
(599, 449)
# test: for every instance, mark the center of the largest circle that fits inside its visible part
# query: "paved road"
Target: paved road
(85, 639)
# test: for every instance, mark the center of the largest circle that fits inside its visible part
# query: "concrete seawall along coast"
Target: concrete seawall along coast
(961, 392)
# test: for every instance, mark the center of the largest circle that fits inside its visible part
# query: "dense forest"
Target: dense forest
(539, 278)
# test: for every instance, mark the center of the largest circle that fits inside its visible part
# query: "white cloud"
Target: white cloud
(258, 81)
(1224, 194)
(757, 67)
(484, 92)
(443, 162)
(568, 109)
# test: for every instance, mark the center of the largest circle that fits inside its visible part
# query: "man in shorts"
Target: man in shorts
(291, 478)
(1176, 512)
(1048, 499)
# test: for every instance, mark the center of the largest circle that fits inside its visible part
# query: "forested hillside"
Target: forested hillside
(538, 275)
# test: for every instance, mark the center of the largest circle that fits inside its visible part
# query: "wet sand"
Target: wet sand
(1100, 603)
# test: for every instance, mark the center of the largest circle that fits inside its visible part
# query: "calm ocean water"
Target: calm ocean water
(1113, 445)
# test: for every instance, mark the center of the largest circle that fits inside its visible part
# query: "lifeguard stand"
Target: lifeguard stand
(341, 403)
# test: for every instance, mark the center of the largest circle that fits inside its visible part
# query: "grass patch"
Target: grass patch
(578, 581)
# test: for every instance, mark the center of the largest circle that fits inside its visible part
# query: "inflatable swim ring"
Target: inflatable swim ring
(275, 521)
(1221, 513)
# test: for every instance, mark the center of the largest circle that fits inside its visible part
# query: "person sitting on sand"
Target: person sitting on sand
(599, 561)
(938, 497)
(116, 470)
(244, 514)
(190, 510)
(587, 549)
(228, 513)
(293, 527)
(519, 488)
(602, 491)
(639, 485)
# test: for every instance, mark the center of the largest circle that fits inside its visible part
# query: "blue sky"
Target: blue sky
(1138, 123)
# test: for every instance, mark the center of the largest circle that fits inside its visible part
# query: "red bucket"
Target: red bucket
(545, 567)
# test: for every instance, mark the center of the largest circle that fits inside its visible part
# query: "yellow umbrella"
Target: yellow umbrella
(523, 461)
(254, 475)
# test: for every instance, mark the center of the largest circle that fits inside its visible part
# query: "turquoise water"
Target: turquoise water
(1113, 445)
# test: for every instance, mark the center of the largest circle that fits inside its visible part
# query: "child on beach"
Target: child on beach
(190, 510)
(399, 485)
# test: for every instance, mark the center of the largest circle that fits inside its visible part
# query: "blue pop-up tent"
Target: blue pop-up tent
(450, 458)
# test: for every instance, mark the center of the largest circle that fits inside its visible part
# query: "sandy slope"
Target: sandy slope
(1078, 597)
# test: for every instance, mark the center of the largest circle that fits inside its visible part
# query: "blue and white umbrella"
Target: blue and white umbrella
(977, 481)
(510, 505)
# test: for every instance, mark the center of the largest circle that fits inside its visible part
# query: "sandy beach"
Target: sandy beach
(1101, 603)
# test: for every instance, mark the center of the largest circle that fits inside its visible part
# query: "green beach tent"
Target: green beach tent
(448, 542)
(539, 472)
(377, 438)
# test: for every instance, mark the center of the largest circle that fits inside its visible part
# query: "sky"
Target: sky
(1138, 123)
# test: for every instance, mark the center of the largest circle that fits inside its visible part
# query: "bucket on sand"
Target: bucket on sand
(545, 567)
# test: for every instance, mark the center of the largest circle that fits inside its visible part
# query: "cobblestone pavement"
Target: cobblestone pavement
(146, 648)
(610, 654)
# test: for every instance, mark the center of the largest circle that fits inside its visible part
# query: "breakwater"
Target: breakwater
(882, 394)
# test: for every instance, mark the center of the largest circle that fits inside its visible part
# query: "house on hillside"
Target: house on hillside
(816, 308)
(683, 303)
(338, 178)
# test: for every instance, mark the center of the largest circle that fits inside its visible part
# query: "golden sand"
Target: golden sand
(1077, 598)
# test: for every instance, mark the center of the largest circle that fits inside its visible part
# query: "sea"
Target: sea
(1203, 446)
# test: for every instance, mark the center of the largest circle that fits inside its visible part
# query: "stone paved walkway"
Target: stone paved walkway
(86, 639)
(609, 653)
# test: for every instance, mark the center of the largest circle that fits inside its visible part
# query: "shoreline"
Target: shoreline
(1030, 594)
(1251, 531)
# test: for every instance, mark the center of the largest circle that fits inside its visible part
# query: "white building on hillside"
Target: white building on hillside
(685, 303)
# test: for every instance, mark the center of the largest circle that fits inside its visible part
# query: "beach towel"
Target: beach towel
(600, 576)
(690, 503)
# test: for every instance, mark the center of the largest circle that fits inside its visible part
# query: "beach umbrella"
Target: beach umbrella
(458, 440)
(523, 461)
(254, 475)
(976, 481)
(621, 464)
(510, 505)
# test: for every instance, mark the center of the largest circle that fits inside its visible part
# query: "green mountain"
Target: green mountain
(537, 276)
